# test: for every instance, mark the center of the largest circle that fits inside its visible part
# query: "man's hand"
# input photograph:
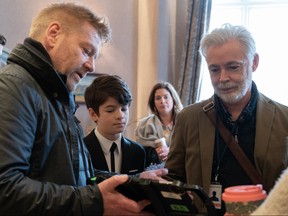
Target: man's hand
(117, 204)
(154, 174)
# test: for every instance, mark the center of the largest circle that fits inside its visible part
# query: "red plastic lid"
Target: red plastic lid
(244, 193)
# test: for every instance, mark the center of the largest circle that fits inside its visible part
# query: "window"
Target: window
(267, 21)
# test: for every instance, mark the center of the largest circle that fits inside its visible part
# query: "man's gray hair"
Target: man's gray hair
(226, 33)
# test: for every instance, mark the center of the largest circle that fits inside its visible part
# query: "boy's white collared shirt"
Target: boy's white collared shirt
(106, 145)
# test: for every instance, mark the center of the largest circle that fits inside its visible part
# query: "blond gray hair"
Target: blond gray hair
(69, 15)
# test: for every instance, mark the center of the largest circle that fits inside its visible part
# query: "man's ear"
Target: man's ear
(93, 115)
(52, 34)
(255, 62)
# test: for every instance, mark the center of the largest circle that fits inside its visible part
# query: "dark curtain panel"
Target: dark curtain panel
(198, 19)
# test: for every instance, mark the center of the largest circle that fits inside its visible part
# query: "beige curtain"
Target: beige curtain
(198, 20)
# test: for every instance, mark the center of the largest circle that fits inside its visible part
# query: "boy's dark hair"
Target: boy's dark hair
(2, 40)
(106, 86)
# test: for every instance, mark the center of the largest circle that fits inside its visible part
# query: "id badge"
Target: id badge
(215, 194)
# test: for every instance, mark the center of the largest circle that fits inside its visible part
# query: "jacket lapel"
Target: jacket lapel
(96, 152)
(126, 160)
(264, 119)
(207, 139)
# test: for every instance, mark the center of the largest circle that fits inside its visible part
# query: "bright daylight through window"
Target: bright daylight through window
(267, 21)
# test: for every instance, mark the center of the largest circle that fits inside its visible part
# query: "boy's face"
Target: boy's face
(112, 119)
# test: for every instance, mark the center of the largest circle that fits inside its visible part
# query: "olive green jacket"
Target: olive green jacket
(192, 145)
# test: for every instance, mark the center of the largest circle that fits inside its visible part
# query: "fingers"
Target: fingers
(144, 203)
(114, 202)
(190, 195)
(137, 207)
(161, 172)
(125, 206)
(163, 156)
(118, 179)
(154, 174)
(162, 153)
(108, 186)
(162, 149)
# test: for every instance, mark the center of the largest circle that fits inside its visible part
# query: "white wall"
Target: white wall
(146, 47)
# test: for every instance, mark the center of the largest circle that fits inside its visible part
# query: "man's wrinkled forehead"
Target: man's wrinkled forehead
(227, 52)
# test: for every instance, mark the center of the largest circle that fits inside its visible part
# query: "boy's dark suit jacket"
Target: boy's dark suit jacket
(133, 155)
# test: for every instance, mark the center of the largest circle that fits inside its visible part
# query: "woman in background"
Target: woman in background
(164, 103)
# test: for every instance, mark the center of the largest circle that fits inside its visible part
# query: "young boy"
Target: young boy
(108, 99)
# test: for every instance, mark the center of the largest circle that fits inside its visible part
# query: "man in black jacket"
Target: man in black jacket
(44, 166)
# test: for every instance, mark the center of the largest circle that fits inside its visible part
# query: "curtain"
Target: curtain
(198, 19)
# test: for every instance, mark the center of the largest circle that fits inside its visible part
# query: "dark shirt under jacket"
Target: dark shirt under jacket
(230, 171)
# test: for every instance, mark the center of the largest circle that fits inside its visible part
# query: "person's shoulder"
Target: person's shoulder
(267, 106)
(266, 100)
(132, 143)
(15, 71)
(147, 119)
(89, 136)
(194, 108)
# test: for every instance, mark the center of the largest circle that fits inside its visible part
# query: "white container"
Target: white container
(160, 142)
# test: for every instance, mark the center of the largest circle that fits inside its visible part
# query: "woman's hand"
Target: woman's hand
(162, 152)
(154, 174)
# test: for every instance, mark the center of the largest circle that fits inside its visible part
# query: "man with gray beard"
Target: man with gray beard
(198, 153)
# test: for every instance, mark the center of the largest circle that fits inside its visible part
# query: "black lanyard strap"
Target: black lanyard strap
(253, 174)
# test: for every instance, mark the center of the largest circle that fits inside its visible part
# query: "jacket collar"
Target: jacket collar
(32, 56)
